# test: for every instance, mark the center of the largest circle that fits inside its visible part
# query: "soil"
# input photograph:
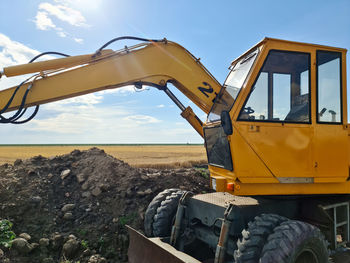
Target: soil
(75, 207)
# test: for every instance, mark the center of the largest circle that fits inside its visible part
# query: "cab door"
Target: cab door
(276, 117)
(331, 139)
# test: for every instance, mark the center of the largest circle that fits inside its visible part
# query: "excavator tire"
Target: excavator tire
(295, 242)
(152, 210)
(254, 237)
(166, 212)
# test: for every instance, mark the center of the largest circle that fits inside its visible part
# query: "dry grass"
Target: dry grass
(155, 156)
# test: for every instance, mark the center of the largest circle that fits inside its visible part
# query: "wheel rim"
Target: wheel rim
(307, 256)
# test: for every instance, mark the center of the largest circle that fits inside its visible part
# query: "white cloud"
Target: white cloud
(141, 119)
(160, 106)
(13, 53)
(43, 22)
(61, 12)
(61, 34)
(64, 13)
(79, 40)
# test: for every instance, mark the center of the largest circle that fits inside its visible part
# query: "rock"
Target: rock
(65, 173)
(68, 207)
(140, 193)
(34, 245)
(97, 259)
(144, 177)
(85, 186)
(68, 216)
(85, 194)
(148, 191)
(57, 241)
(71, 236)
(70, 248)
(144, 193)
(86, 252)
(81, 177)
(96, 191)
(25, 236)
(50, 175)
(21, 246)
(44, 242)
(1, 253)
(18, 162)
(31, 173)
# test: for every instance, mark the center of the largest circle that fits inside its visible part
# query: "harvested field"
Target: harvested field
(151, 156)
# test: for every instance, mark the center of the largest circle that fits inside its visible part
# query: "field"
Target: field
(155, 156)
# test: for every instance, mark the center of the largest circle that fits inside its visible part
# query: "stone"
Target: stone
(148, 191)
(96, 191)
(21, 246)
(31, 173)
(25, 236)
(65, 173)
(57, 241)
(68, 216)
(50, 175)
(18, 162)
(97, 259)
(85, 194)
(1, 253)
(70, 248)
(44, 242)
(67, 207)
(86, 252)
(71, 236)
(81, 178)
(144, 177)
(34, 245)
(85, 186)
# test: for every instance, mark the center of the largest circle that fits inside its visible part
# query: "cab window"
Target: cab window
(328, 87)
(281, 91)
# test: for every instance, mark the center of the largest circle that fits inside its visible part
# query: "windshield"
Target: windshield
(232, 86)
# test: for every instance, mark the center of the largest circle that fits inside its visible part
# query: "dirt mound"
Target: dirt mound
(76, 206)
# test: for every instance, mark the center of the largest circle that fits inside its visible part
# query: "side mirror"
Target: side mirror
(226, 122)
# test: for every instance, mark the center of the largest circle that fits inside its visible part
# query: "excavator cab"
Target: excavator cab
(287, 108)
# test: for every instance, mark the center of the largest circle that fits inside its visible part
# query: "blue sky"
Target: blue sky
(217, 32)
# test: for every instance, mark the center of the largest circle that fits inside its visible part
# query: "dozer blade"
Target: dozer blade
(153, 250)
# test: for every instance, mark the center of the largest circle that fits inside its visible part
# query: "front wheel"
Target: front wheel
(161, 212)
(295, 242)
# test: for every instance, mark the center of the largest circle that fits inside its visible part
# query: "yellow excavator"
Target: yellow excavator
(276, 136)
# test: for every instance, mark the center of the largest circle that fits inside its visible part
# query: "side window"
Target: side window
(281, 91)
(328, 87)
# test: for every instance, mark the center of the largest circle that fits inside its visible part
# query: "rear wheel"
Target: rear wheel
(153, 207)
(254, 237)
(295, 242)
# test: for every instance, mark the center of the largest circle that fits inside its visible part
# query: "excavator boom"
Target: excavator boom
(153, 64)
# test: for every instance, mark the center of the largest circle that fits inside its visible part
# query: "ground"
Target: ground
(74, 207)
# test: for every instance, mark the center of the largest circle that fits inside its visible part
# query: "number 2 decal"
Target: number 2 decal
(208, 90)
(205, 91)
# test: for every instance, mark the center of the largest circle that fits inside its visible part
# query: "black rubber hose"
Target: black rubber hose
(129, 38)
(21, 110)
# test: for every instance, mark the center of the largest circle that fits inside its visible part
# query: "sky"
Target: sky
(216, 31)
